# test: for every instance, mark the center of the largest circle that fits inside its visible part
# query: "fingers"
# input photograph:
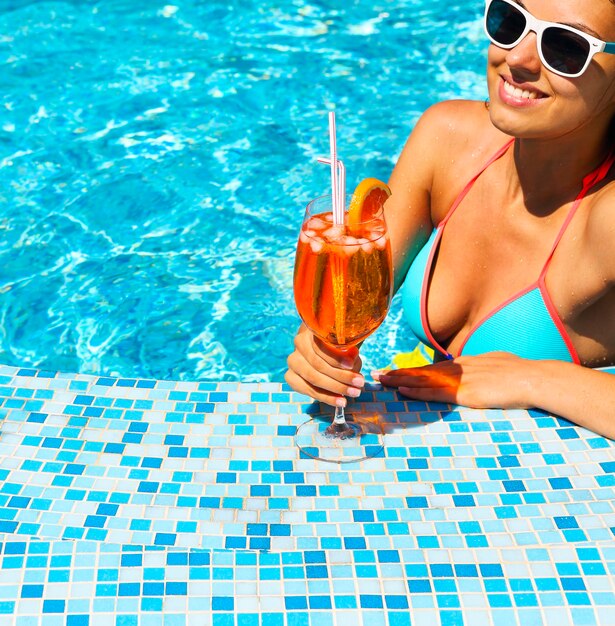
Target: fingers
(348, 359)
(322, 395)
(318, 374)
(341, 366)
(322, 372)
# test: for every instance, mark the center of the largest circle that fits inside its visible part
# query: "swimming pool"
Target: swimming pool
(155, 162)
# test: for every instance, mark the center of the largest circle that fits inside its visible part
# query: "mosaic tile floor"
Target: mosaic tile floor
(142, 503)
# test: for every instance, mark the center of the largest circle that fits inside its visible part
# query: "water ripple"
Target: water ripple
(155, 161)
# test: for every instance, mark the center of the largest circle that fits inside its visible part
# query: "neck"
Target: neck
(550, 173)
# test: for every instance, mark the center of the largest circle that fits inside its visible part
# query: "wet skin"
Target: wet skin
(497, 241)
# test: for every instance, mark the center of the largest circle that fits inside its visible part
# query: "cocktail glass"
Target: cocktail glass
(343, 287)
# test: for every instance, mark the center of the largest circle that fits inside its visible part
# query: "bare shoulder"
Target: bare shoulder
(451, 137)
(455, 138)
(455, 114)
(600, 231)
(459, 125)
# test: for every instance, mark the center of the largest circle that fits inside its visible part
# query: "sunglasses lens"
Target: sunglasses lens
(564, 51)
(505, 24)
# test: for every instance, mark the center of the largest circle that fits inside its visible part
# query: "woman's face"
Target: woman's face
(529, 101)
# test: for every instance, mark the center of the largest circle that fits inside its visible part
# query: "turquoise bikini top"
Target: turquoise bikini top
(527, 324)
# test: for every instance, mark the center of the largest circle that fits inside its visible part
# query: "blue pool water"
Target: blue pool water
(155, 161)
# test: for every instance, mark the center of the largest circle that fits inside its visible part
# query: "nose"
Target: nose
(524, 56)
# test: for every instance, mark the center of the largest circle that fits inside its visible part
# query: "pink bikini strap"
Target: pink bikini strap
(589, 181)
(472, 180)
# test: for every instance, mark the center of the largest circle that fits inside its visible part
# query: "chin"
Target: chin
(504, 123)
(515, 125)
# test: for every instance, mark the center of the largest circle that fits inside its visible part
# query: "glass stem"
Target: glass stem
(339, 417)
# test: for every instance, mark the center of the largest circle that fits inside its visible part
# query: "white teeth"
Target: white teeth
(519, 93)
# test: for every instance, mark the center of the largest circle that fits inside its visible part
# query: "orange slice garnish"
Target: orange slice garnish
(367, 201)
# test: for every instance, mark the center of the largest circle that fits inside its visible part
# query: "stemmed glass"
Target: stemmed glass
(343, 288)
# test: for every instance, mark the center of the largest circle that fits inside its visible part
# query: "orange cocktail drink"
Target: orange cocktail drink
(343, 285)
(343, 277)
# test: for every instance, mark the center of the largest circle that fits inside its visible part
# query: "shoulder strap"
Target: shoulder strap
(589, 181)
(472, 180)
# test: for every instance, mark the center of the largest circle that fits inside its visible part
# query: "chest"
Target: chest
(490, 256)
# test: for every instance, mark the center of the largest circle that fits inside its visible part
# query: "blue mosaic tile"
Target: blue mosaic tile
(160, 502)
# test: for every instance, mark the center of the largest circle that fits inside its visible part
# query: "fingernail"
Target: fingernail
(348, 363)
(353, 392)
(341, 402)
(358, 381)
(376, 374)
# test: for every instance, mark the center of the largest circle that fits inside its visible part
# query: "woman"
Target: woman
(511, 276)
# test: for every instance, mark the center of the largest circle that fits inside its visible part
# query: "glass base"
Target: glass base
(324, 440)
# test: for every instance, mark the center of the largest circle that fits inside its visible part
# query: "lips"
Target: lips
(519, 94)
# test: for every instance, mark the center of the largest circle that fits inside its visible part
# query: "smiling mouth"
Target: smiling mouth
(517, 92)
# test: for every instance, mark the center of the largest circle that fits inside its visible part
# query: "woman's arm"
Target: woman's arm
(449, 142)
(580, 394)
(408, 210)
(501, 380)
(328, 375)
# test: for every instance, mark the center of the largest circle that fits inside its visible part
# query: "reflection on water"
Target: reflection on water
(155, 162)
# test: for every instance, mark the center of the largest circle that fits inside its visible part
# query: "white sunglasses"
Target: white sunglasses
(563, 50)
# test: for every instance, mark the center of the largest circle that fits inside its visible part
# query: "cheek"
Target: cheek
(565, 88)
(601, 86)
(495, 60)
(589, 94)
(495, 56)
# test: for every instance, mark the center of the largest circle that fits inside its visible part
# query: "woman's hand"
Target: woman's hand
(492, 380)
(322, 372)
